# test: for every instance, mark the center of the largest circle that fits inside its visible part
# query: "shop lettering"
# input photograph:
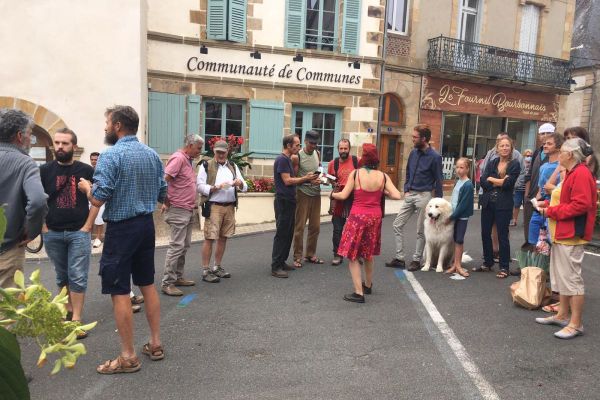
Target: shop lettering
(302, 74)
(456, 95)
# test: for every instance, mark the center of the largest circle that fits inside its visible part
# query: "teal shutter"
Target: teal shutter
(295, 19)
(216, 20)
(193, 115)
(266, 127)
(166, 117)
(236, 27)
(351, 29)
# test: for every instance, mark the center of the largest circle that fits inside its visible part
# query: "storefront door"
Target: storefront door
(390, 158)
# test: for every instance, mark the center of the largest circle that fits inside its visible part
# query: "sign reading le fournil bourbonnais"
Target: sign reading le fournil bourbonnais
(470, 98)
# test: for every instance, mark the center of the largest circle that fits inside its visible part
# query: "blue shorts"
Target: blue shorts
(128, 254)
(518, 197)
(70, 252)
(460, 228)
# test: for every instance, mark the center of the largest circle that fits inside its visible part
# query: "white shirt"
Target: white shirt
(224, 175)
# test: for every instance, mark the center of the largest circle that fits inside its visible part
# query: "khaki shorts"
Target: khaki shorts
(10, 262)
(221, 223)
(565, 269)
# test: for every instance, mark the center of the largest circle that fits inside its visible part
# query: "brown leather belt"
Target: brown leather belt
(223, 204)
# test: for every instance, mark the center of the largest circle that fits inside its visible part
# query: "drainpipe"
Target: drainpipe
(382, 77)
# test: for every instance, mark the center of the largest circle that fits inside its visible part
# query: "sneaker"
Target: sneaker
(337, 260)
(210, 277)
(137, 299)
(395, 263)
(171, 290)
(184, 282)
(136, 308)
(96, 243)
(279, 273)
(414, 266)
(221, 273)
(355, 298)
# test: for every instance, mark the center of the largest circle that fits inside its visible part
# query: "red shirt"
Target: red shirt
(181, 191)
(344, 170)
(576, 213)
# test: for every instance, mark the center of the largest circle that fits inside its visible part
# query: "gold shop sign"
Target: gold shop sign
(470, 98)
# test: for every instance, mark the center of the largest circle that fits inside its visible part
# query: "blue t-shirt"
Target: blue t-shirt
(456, 191)
(283, 164)
(546, 171)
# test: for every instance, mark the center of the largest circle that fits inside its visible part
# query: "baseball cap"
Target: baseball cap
(221, 145)
(546, 128)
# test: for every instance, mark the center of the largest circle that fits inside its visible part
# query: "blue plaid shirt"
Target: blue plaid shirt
(129, 177)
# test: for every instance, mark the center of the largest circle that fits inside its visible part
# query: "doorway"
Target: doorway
(390, 159)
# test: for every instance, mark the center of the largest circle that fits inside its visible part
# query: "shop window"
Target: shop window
(393, 112)
(312, 24)
(226, 20)
(326, 122)
(167, 121)
(222, 118)
(397, 16)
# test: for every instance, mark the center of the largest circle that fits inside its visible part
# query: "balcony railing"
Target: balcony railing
(457, 56)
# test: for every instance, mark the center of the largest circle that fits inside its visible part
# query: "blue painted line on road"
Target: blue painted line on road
(186, 300)
(400, 274)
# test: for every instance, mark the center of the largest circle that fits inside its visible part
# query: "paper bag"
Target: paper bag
(531, 291)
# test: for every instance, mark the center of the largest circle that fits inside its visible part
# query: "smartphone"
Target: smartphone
(317, 173)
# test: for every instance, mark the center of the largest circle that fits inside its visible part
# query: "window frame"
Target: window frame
(387, 98)
(406, 19)
(336, 48)
(464, 10)
(307, 125)
(224, 103)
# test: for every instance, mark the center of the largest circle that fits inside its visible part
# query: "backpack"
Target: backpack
(336, 164)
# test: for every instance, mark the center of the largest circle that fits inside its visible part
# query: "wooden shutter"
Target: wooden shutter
(351, 28)
(193, 115)
(236, 27)
(166, 119)
(266, 127)
(216, 23)
(295, 22)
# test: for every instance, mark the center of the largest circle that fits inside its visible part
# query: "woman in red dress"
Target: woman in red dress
(361, 237)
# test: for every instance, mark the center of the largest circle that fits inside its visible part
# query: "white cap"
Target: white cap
(546, 128)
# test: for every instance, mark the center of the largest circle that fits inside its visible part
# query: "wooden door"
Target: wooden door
(390, 157)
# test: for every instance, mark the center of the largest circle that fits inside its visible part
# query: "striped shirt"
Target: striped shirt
(129, 177)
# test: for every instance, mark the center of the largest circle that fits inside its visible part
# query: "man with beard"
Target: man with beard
(341, 167)
(129, 178)
(21, 192)
(69, 222)
(423, 176)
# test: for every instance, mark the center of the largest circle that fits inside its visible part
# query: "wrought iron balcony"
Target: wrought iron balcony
(495, 63)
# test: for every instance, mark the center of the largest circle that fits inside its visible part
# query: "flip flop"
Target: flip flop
(551, 308)
(314, 260)
(297, 263)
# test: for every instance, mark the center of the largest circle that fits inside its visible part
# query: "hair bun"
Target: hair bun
(587, 150)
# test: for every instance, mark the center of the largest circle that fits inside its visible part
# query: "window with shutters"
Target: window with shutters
(226, 20)
(222, 118)
(397, 16)
(313, 24)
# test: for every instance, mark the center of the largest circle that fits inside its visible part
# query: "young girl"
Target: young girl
(462, 206)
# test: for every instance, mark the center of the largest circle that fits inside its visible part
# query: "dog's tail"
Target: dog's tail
(466, 258)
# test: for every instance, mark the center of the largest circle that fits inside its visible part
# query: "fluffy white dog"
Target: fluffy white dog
(439, 243)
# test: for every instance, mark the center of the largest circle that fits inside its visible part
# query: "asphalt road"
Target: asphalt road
(257, 337)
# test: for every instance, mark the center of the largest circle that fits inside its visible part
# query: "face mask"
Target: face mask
(528, 159)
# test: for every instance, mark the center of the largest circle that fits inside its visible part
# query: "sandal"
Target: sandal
(482, 268)
(155, 354)
(137, 299)
(297, 263)
(502, 274)
(314, 260)
(551, 308)
(463, 272)
(123, 366)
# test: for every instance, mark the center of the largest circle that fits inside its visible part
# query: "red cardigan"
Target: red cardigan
(575, 215)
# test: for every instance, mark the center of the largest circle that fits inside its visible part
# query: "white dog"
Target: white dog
(439, 243)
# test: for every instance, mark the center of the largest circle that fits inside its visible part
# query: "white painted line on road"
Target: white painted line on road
(592, 254)
(484, 387)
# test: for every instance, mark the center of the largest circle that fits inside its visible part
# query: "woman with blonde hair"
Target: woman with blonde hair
(498, 181)
(361, 237)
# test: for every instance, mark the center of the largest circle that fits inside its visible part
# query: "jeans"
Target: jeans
(70, 252)
(413, 201)
(338, 228)
(535, 224)
(527, 213)
(285, 212)
(490, 216)
(181, 222)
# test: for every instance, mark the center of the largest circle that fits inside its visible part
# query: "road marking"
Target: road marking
(186, 300)
(476, 377)
(592, 254)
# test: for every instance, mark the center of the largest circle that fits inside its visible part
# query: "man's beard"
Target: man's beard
(111, 138)
(63, 156)
(344, 155)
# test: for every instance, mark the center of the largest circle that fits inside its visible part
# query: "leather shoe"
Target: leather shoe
(414, 266)
(355, 298)
(184, 282)
(395, 263)
(171, 291)
(279, 273)
(367, 290)
(287, 267)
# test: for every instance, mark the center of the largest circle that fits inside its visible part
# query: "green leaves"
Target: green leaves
(13, 383)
